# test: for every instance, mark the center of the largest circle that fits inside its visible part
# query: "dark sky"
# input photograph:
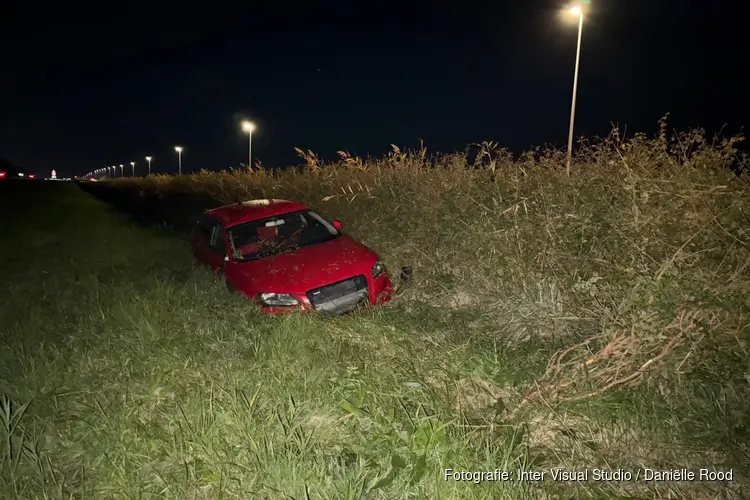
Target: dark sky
(86, 87)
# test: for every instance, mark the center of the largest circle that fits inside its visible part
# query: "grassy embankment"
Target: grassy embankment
(596, 321)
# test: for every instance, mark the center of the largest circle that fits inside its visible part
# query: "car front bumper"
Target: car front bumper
(339, 301)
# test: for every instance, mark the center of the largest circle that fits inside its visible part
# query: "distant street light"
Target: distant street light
(576, 11)
(179, 158)
(249, 127)
(132, 164)
(148, 159)
(122, 171)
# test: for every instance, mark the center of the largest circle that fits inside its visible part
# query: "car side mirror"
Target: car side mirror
(338, 225)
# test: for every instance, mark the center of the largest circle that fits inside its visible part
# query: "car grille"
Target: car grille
(341, 297)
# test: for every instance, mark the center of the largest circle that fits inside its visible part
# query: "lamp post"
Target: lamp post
(578, 12)
(249, 127)
(122, 170)
(179, 158)
(148, 159)
(132, 164)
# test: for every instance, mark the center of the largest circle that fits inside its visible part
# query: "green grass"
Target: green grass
(127, 372)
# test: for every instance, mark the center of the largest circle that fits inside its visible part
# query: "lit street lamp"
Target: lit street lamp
(132, 164)
(249, 127)
(179, 158)
(122, 171)
(148, 159)
(576, 11)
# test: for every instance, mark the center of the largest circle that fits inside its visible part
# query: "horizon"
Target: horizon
(87, 96)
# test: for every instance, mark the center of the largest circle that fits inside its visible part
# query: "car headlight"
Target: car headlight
(378, 269)
(277, 299)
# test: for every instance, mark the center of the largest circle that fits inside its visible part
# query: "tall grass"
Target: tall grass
(641, 249)
(596, 320)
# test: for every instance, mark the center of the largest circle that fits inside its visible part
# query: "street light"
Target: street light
(148, 159)
(249, 127)
(179, 158)
(576, 11)
(122, 171)
(132, 164)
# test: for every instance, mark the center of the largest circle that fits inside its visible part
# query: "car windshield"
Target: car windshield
(279, 234)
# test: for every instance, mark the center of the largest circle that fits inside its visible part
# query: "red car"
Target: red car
(286, 257)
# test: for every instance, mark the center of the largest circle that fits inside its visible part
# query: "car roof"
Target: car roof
(252, 210)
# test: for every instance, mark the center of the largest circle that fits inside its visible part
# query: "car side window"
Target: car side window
(218, 241)
(204, 227)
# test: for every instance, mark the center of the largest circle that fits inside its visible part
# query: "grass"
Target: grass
(596, 321)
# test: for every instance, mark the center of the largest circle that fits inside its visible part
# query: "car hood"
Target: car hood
(306, 268)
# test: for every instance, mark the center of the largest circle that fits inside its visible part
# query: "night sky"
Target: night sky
(83, 88)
